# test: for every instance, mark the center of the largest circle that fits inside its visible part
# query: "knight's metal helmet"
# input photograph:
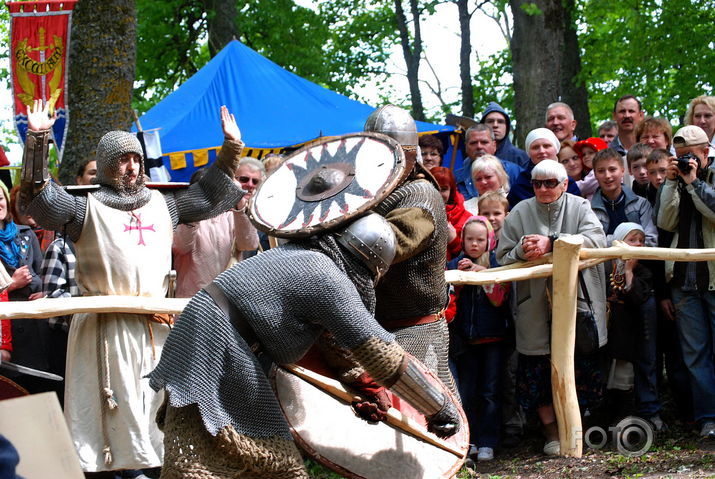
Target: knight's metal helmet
(394, 122)
(110, 148)
(371, 240)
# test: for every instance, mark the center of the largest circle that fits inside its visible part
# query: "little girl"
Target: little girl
(478, 333)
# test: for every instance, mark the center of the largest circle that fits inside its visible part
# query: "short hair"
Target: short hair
(254, 164)
(627, 97)
(638, 151)
(653, 123)
(706, 100)
(607, 125)
(557, 104)
(657, 155)
(607, 154)
(568, 144)
(547, 169)
(272, 161)
(431, 141)
(445, 177)
(486, 162)
(83, 165)
(479, 127)
(493, 197)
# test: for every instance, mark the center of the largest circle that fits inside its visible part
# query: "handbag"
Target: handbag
(586, 328)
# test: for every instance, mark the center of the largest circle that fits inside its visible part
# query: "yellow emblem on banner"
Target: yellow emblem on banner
(177, 161)
(26, 66)
(201, 157)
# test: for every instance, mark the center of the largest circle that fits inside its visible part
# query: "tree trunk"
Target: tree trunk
(221, 22)
(101, 74)
(546, 61)
(412, 54)
(465, 50)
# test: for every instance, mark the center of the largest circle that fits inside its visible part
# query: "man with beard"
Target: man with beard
(122, 234)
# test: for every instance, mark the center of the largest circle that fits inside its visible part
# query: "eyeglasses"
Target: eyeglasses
(550, 184)
(246, 179)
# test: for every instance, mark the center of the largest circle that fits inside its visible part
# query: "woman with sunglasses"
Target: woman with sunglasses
(541, 144)
(529, 233)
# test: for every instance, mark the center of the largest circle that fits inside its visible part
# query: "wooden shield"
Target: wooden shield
(326, 183)
(319, 412)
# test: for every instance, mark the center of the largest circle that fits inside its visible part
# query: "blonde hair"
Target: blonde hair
(491, 162)
(493, 197)
(706, 100)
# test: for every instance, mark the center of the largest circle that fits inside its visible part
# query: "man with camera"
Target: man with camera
(686, 207)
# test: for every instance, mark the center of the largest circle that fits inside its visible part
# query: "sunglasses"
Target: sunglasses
(550, 184)
(246, 179)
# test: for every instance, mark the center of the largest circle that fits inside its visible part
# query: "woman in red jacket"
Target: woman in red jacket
(454, 204)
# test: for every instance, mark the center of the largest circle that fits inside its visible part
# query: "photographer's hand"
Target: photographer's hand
(691, 175)
(672, 171)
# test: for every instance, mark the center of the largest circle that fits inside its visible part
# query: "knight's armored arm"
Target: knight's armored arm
(391, 367)
(35, 174)
(214, 193)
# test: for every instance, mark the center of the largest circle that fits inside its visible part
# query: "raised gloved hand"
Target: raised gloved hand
(375, 400)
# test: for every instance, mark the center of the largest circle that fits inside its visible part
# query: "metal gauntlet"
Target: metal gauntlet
(34, 165)
(412, 385)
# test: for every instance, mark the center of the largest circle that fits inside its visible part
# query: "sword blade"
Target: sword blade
(8, 366)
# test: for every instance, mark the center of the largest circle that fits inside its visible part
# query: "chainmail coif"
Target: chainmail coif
(289, 295)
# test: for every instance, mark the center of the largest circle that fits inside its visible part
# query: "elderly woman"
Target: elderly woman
(541, 144)
(488, 174)
(528, 233)
(454, 205)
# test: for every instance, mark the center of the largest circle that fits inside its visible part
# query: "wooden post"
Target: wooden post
(563, 338)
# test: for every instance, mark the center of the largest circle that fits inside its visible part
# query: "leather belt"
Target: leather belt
(413, 321)
(238, 321)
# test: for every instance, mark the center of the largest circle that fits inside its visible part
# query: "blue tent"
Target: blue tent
(274, 108)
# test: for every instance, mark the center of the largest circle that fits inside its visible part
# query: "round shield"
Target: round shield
(324, 184)
(319, 412)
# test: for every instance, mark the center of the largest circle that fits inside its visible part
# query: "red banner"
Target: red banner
(40, 33)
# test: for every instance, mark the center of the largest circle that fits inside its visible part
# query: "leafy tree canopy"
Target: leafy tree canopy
(339, 45)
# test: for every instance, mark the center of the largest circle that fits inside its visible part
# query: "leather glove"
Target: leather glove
(376, 402)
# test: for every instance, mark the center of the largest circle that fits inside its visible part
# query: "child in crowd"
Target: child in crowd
(478, 333)
(615, 203)
(632, 334)
(656, 166)
(587, 150)
(571, 160)
(636, 159)
(494, 206)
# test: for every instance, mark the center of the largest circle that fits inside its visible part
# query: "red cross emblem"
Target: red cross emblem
(136, 218)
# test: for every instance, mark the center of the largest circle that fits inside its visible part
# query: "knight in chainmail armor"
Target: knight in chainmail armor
(223, 419)
(123, 234)
(413, 294)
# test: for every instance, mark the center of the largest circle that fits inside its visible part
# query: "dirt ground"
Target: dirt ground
(676, 453)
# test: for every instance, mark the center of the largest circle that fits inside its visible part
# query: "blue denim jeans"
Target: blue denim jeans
(695, 313)
(645, 362)
(479, 370)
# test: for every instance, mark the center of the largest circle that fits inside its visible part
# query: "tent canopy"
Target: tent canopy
(274, 109)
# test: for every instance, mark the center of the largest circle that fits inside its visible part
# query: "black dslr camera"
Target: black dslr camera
(684, 162)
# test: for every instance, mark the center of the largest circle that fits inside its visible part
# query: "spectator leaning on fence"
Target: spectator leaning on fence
(686, 206)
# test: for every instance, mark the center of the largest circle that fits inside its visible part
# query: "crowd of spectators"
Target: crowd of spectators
(636, 182)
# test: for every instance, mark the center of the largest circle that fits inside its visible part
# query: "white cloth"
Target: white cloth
(128, 253)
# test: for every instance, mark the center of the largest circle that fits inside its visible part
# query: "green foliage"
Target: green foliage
(531, 9)
(660, 51)
(493, 82)
(338, 45)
